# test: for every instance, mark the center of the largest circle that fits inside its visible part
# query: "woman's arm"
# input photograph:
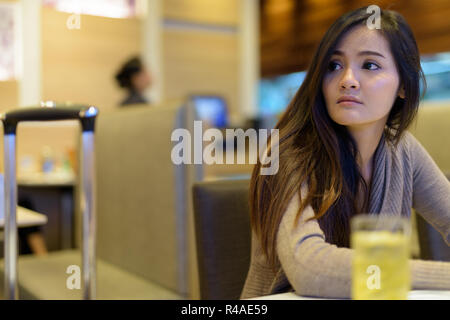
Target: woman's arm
(431, 190)
(317, 268)
(312, 266)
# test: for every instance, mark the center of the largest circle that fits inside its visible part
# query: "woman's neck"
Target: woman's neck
(367, 140)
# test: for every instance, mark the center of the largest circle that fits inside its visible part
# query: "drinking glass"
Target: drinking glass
(380, 266)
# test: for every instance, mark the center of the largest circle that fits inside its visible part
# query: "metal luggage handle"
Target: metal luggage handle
(50, 111)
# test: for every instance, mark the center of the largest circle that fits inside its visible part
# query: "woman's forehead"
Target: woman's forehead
(362, 38)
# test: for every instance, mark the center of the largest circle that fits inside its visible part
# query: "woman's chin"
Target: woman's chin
(346, 121)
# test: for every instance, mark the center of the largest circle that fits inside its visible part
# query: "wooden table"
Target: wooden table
(27, 218)
(52, 193)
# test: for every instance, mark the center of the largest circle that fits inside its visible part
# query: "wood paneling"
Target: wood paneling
(217, 12)
(9, 93)
(79, 64)
(9, 99)
(201, 62)
(290, 30)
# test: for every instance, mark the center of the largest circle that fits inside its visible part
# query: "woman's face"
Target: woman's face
(362, 82)
(141, 80)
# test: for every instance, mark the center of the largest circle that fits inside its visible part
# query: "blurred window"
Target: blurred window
(437, 71)
(8, 41)
(104, 8)
(276, 93)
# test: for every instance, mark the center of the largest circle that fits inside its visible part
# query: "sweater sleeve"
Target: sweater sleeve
(431, 190)
(312, 266)
(319, 269)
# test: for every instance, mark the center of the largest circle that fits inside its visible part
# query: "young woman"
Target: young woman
(344, 150)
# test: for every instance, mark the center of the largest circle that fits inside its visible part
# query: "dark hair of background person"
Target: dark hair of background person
(134, 77)
(128, 70)
(315, 150)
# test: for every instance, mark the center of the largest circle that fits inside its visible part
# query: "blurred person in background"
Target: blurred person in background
(31, 239)
(134, 77)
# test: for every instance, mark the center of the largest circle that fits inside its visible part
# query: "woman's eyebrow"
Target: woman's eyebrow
(370, 53)
(361, 53)
(338, 53)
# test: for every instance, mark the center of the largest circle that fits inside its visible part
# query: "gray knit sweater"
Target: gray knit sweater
(403, 177)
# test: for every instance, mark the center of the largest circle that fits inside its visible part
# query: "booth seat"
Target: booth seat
(223, 237)
(432, 129)
(143, 213)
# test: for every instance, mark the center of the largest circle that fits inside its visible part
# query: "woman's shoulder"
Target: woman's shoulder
(408, 146)
(414, 151)
(408, 141)
(413, 145)
(409, 138)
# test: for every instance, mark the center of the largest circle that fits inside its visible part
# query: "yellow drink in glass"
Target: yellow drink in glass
(380, 268)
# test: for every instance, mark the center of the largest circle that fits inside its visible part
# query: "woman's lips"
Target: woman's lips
(348, 101)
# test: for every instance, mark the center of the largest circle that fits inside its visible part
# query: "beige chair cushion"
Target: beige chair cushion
(112, 282)
(432, 129)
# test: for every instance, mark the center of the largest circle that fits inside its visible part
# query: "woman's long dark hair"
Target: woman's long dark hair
(315, 150)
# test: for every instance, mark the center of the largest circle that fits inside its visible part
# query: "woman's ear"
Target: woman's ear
(401, 92)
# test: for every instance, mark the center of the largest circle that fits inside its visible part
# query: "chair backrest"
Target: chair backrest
(143, 200)
(223, 236)
(432, 130)
(432, 246)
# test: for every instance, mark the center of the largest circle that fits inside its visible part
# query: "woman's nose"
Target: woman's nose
(349, 80)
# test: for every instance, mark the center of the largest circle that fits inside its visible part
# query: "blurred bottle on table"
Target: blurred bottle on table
(47, 160)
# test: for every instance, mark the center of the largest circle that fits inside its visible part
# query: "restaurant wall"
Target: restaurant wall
(78, 65)
(9, 92)
(200, 49)
(218, 12)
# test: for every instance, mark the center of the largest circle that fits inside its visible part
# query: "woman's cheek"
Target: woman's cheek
(329, 88)
(384, 84)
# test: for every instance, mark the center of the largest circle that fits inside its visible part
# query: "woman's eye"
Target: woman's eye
(334, 66)
(371, 66)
